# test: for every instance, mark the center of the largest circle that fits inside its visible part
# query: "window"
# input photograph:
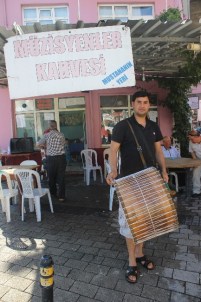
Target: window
(72, 119)
(113, 110)
(33, 116)
(126, 12)
(45, 15)
(116, 108)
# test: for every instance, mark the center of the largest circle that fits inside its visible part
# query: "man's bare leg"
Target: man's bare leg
(131, 255)
(139, 253)
(135, 250)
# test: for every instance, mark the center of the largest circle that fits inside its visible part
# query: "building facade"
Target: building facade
(86, 117)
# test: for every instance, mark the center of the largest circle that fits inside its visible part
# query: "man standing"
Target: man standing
(123, 139)
(195, 151)
(54, 142)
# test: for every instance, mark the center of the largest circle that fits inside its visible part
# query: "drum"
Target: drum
(147, 204)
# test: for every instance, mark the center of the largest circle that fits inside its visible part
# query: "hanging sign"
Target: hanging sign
(193, 102)
(50, 63)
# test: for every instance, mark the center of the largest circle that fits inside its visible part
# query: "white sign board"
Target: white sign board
(50, 63)
(193, 102)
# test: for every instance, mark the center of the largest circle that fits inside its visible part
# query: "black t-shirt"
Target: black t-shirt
(130, 157)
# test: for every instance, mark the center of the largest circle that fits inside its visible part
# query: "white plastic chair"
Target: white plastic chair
(28, 162)
(89, 163)
(112, 188)
(106, 155)
(6, 194)
(176, 180)
(25, 177)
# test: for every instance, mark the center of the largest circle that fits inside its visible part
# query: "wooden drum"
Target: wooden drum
(147, 204)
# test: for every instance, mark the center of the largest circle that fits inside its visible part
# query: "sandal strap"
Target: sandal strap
(141, 259)
(145, 260)
(132, 271)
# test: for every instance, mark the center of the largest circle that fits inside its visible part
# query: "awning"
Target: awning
(156, 45)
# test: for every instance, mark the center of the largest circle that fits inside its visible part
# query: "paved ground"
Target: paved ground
(90, 256)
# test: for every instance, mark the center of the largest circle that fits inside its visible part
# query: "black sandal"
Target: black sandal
(144, 261)
(131, 271)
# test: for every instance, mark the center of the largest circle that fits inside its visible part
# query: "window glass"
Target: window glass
(42, 122)
(29, 23)
(24, 105)
(121, 10)
(142, 11)
(30, 13)
(60, 12)
(114, 101)
(44, 104)
(43, 22)
(72, 124)
(126, 12)
(105, 11)
(75, 102)
(109, 118)
(113, 109)
(45, 13)
(25, 125)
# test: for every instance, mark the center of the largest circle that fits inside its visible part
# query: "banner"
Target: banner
(50, 63)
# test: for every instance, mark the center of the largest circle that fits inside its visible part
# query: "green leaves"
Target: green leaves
(177, 100)
(171, 14)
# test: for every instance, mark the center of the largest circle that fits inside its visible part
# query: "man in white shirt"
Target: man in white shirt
(195, 150)
(169, 150)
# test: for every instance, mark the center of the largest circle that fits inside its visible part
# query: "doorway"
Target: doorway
(73, 126)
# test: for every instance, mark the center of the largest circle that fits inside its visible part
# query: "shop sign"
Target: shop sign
(50, 63)
(193, 102)
(45, 104)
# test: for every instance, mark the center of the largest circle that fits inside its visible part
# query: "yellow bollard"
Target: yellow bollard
(46, 278)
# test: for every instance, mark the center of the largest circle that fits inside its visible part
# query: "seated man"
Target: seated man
(195, 150)
(168, 149)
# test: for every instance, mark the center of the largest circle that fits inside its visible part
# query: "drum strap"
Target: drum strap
(139, 148)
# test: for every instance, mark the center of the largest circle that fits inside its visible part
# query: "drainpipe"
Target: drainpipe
(166, 5)
(186, 8)
(78, 9)
(5, 13)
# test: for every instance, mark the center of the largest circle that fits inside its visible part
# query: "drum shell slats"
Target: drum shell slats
(147, 204)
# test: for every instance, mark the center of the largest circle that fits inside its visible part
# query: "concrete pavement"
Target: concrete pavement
(90, 256)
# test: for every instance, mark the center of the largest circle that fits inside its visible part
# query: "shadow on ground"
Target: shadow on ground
(85, 199)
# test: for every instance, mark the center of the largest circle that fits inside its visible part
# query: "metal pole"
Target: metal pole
(46, 278)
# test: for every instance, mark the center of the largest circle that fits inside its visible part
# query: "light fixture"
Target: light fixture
(143, 75)
(18, 29)
(194, 46)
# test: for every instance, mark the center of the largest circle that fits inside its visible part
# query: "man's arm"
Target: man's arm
(161, 160)
(193, 155)
(41, 143)
(113, 158)
(191, 151)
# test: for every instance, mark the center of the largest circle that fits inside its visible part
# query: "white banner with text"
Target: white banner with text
(50, 63)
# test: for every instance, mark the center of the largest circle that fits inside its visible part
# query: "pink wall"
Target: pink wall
(91, 15)
(13, 9)
(88, 8)
(5, 119)
(10, 11)
(196, 89)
